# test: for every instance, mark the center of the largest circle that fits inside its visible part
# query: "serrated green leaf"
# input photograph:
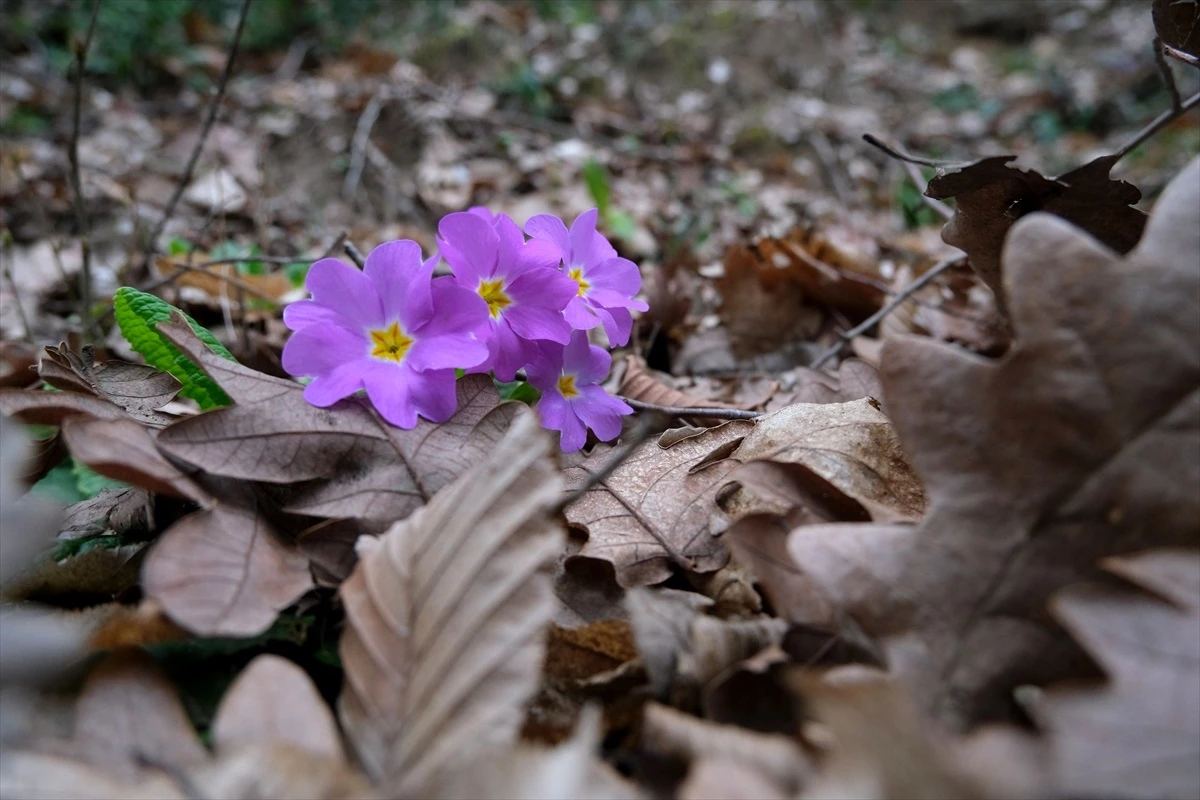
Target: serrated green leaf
(138, 315)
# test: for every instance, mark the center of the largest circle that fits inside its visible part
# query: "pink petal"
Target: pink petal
(574, 434)
(511, 242)
(580, 315)
(548, 288)
(545, 367)
(618, 325)
(434, 395)
(451, 352)
(389, 386)
(582, 235)
(402, 281)
(552, 410)
(589, 363)
(303, 313)
(482, 212)
(538, 255)
(344, 381)
(321, 349)
(605, 298)
(455, 310)
(509, 352)
(550, 229)
(339, 286)
(470, 245)
(532, 322)
(600, 411)
(618, 275)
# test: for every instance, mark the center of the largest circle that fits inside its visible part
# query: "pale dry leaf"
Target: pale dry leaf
(130, 715)
(277, 771)
(778, 759)
(224, 571)
(273, 701)
(446, 617)
(723, 778)
(851, 445)
(51, 408)
(344, 460)
(640, 383)
(1138, 735)
(656, 509)
(853, 380)
(1082, 442)
(138, 388)
(27, 522)
(29, 775)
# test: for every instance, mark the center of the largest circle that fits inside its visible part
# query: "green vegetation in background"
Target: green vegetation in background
(595, 177)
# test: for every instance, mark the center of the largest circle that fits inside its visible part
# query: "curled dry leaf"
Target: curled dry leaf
(138, 388)
(1082, 442)
(345, 461)
(273, 701)
(656, 509)
(640, 383)
(990, 195)
(850, 445)
(1138, 735)
(778, 759)
(225, 571)
(446, 617)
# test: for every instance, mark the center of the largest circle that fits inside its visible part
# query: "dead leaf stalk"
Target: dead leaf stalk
(1186, 58)
(907, 158)
(355, 254)
(358, 147)
(873, 320)
(85, 273)
(693, 411)
(1158, 123)
(213, 109)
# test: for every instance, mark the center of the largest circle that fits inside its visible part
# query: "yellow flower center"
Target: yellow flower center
(566, 386)
(576, 274)
(493, 294)
(390, 343)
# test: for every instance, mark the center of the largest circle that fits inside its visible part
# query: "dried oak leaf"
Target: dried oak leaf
(656, 508)
(1177, 24)
(342, 461)
(137, 388)
(1082, 442)
(1139, 734)
(990, 196)
(446, 617)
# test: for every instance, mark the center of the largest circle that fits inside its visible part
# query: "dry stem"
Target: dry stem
(85, 273)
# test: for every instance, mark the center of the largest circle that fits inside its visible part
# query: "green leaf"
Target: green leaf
(91, 483)
(595, 176)
(138, 315)
(297, 271)
(59, 485)
(521, 391)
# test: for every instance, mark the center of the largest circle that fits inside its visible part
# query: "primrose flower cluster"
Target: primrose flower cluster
(511, 303)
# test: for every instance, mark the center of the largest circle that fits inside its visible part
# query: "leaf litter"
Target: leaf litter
(960, 564)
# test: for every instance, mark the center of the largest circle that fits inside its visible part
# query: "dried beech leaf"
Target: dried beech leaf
(656, 509)
(51, 408)
(673, 733)
(851, 445)
(129, 714)
(138, 388)
(446, 617)
(1082, 442)
(990, 195)
(123, 450)
(122, 511)
(355, 464)
(224, 572)
(274, 701)
(1138, 735)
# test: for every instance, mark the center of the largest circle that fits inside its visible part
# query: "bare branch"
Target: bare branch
(358, 146)
(873, 320)
(1158, 123)
(693, 411)
(900, 155)
(355, 254)
(85, 273)
(1168, 77)
(213, 109)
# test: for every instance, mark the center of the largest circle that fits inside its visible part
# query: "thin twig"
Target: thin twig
(358, 145)
(639, 434)
(355, 254)
(1168, 77)
(827, 155)
(900, 155)
(1185, 57)
(1157, 124)
(932, 203)
(693, 411)
(85, 273)
(213, 109)
(873, 320)
(7, 241)
(281, 260)
(335, 246)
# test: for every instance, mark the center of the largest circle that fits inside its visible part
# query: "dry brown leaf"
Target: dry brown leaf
(656, 509)
(1138, 735)
(51, 408)
(639, 383)
(137, 388)
(120, 510)
(1080, 443)
(1177, 24)
(778, 759)
(851, 445)
(990, 196)
(853, 380)
(224, 572)
(273, 701)
(446, 617)
(722, 778)
(124, 450)
(366, 468)
(97, 574)
(277, 771)
(130, 715)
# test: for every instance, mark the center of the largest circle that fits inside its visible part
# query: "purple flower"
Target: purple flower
(520, 282)
(605, 283)
(571, 401)
(390, 329)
